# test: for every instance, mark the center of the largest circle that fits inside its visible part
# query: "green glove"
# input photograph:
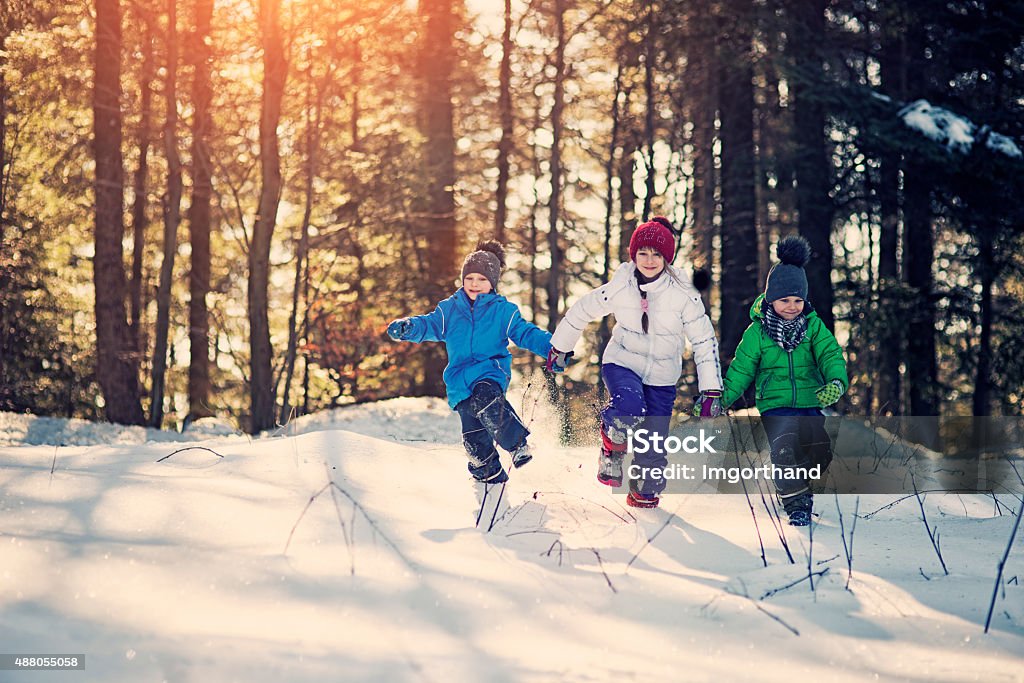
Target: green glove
(829, 393)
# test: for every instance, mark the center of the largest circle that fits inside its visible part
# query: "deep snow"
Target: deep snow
(245, 562)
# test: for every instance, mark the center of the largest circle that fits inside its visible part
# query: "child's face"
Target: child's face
(649, 261)
(474, 284)
(788, 307)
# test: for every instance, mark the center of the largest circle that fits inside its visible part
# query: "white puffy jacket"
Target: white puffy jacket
(675, 314)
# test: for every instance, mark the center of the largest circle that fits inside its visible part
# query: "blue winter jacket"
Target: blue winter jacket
(476, 335)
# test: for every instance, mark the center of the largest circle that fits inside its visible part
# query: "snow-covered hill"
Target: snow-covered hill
(344, 549)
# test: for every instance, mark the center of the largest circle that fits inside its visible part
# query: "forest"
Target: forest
(215, 207)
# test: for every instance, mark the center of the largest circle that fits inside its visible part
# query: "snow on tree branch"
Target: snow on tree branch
(956, 132)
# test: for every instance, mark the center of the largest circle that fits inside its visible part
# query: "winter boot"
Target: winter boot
(799, 508)
(637, 499)
(609, 467)
(490, 472)
(521, 455)
(799, 518)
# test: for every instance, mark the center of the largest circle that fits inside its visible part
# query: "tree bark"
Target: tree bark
(649, 108)
(313, 109)
(815, 209)
(922, 367)
(275, 72)
(507, 125)
(172, 217)
(739, 283)
(627, 195)
(116, 362)
(702, 97)
(199, 215)
(555, 203)
(887, 386)
(139, 188)
(438, 123)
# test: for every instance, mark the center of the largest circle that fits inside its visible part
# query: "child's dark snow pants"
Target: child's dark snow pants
(488, 418)
(797, 438)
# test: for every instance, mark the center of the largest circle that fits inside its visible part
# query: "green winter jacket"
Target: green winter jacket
(784, 379)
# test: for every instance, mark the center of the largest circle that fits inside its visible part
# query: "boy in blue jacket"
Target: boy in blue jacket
(475, 324)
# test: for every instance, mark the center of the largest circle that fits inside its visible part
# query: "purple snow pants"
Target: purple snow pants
(635, 405)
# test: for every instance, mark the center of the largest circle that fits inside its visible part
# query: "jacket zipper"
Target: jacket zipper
(792, 379)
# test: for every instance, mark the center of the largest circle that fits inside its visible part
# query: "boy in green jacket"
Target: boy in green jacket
(797, 368)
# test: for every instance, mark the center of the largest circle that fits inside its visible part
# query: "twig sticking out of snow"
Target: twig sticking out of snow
(1002, 565)
(331, 484)
(561, 548)
(808, 577)
(810, 554)
(913, 495)
(600, 566)
(933, 536)
(848, 547)
(761, 609)
(746, 493)
(187, 448)
(650, 540)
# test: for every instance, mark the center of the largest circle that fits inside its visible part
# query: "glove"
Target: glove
(829, 393)
(708, 404)
(557, 360)
(400, 329)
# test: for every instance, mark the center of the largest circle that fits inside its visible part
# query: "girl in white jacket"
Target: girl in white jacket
(656, 311)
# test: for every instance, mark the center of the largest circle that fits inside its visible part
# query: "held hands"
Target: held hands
(557, 360)
(400, 329)
(708, 404)
(829, 393)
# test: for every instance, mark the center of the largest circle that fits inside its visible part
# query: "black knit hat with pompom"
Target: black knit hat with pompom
(787, 278)
(488, 260)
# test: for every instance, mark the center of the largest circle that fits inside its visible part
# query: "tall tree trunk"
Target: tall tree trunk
(139, 189)
(983, 376)
(815, 209)
(4, 173)
(649, 107)
(116, 362)
(275, 73)
(922, 367)
(604, 331)
(199, 215)
(887, 385)
(702, 97)
(627, 174)
(172, 217)
(739, 283)
(507, 125)
(438, 124)
(555, 203)
(313, 108)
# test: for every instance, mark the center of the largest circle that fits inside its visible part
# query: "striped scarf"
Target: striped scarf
(786, 333)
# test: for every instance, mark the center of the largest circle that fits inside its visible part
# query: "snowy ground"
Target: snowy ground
(344, 549)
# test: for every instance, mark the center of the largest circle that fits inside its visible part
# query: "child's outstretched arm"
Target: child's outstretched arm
(832, 366)
(592, 306)
(528, 336)
(420, 328)
(701, 334)
(744, 366)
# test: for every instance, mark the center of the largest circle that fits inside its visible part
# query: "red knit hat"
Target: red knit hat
(654, 233)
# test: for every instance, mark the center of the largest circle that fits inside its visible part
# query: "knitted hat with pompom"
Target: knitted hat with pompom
(787, 278)
(488, 259)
